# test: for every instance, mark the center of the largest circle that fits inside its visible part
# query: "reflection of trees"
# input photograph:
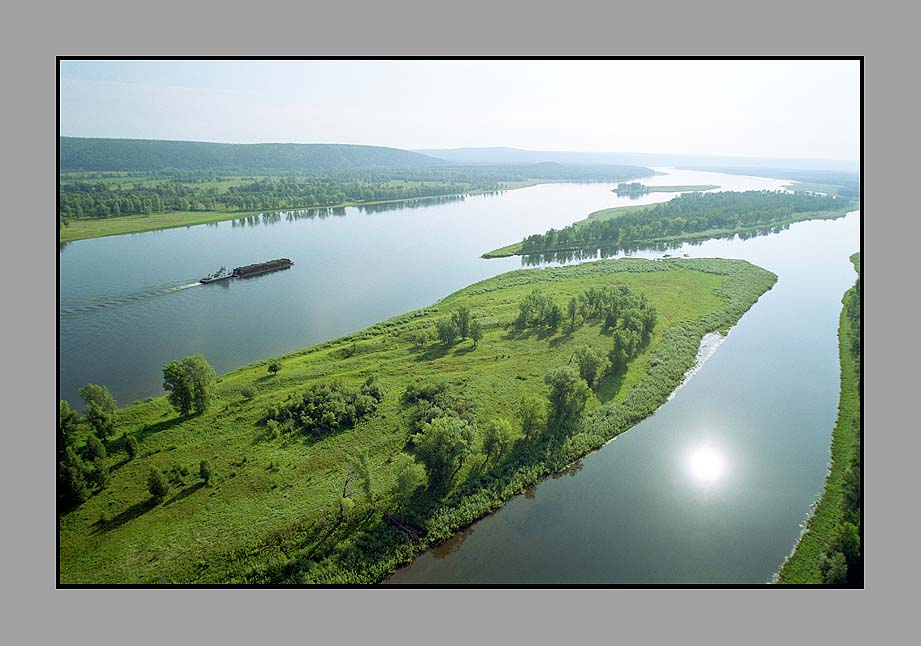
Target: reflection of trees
(443, 550)
(602, 249)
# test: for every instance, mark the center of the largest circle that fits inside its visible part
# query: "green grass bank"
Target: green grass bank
(803, 564)
(269, 515)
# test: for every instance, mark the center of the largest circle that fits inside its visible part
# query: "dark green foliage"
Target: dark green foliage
(538, 309)
(447, 331)
(834, 569)
(68, 423)
(410, 475)
(531, 413)
(461, 319)
(132, 448)
(100, 409)
(430, 401)
(847, 542)
(326, 408)
(94, 448)
(688, 214)
(204, 471)
(72, 486)
(476, 332)
(591, 365)
(99, 395)
(157, 485)
(188, 383)
(274, 367)
(566, 399)
(247, 392)
(571, 311)
(442, 445)
(497, 438)
(99, 473)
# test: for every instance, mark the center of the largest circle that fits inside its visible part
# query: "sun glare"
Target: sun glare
(706, 464)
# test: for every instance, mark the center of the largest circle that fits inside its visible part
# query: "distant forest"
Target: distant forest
(103, 178)
(687, 215)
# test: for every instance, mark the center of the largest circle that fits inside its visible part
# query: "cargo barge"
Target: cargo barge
(248, 270)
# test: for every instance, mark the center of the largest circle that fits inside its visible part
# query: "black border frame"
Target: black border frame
(59, 585)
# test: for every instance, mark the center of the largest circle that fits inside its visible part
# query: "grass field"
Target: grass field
(84, 228)
(802, 566)
(262, 519)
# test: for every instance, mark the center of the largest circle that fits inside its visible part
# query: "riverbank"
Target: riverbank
(87, 228)
(687, 188)
(605, 215)
(269, 516)
(804, 562)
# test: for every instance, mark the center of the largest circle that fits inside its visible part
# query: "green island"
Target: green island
(636, 188)
(686, 218)
(829, 550)
(340, 462)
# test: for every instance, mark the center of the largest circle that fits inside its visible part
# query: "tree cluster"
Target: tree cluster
(328, 407)
(188, 384)
(687, 214)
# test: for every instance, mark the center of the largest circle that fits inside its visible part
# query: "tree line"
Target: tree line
(686, 214)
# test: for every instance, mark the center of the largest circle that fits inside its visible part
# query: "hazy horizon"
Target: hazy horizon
(748, 109)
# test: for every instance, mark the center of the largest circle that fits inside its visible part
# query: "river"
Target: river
(712, 488)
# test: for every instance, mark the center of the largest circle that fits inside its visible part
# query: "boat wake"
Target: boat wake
(66, 311)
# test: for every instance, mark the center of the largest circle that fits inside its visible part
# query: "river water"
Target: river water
(712, 488)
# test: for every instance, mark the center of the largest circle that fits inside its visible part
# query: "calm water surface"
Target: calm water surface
(712, 488)
(130, 304)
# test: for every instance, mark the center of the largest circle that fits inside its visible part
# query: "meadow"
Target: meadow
(272, 513)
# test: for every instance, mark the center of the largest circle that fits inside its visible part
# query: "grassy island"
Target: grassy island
(688, 217)
(836, 518)
(306, 468)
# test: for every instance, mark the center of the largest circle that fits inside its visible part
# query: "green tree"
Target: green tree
(94, 448)
(590, 364)
(99, 395)
(68, 423)
(566, 399)
(99, 474)
(274, 367)
(100, 420)
(132, 448)
(447, 331)
(834, 569)
(188, 383)
(476, 332)
(847, 541)
(204, 471)
(497, 438)
(442, 445)
(410, 475)
(461, 319)
(531, 414)
(157, 485)
(571, 311)
(72, 487)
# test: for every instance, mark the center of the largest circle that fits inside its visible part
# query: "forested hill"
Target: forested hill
(147, 155)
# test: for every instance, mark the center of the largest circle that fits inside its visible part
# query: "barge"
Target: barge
(248, 270)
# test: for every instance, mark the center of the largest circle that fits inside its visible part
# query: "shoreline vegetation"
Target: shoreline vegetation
(825, 532)
(324, 486)
(117, 186)
(88, 228)
(636, 188)
(686, 218)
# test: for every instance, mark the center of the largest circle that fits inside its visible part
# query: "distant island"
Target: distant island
(635, 188)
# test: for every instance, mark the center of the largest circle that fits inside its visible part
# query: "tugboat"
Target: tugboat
(248, 270)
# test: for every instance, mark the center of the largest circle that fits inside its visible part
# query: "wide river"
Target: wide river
(712, 488)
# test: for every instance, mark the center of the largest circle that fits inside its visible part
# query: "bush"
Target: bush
(325, 408)
(157, 485)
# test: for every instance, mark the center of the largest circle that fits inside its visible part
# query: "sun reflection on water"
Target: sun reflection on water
(706, 464)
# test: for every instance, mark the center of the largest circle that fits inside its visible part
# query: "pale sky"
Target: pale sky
(745, 108)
